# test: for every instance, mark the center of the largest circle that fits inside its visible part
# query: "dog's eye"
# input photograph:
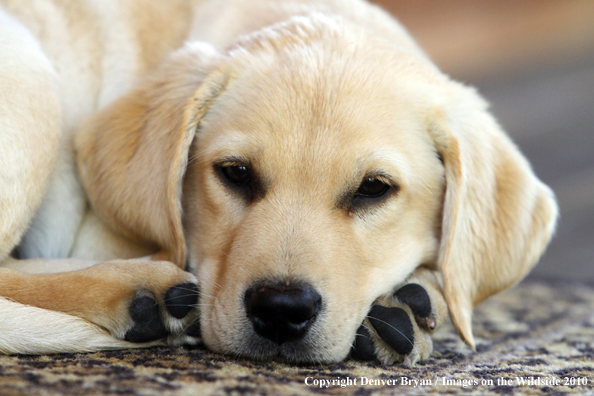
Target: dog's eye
(372, 187)
(237, 174)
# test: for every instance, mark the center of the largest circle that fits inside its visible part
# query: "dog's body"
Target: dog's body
(324, 163)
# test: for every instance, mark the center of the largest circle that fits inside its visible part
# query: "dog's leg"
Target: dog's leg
(30, 330)
(399, 325)
(30, 125)
(134, 300)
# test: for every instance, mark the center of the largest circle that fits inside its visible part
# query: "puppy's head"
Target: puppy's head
(305, 172)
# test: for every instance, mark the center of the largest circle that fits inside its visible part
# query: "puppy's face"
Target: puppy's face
(318, 159)
(312, 189)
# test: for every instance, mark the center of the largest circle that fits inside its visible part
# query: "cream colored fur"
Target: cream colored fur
(132, 105)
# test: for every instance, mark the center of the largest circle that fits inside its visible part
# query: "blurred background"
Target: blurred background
(534, 62)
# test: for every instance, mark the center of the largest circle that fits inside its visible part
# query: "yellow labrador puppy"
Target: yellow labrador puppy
(326, 188)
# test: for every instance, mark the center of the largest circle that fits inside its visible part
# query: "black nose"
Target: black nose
(282, 313)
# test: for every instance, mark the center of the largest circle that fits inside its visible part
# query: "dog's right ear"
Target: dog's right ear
(133, 154)
(498, 217)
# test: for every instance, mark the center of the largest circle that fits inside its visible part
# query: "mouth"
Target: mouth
(258, 349)
(284, 322)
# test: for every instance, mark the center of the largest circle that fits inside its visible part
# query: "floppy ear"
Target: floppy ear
(498, 216)
(132, 155)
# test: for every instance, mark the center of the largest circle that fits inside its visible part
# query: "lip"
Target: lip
(294, 352)
(254, 347)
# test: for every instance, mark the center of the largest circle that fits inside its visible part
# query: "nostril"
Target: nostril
(295, 304)
(282, 313)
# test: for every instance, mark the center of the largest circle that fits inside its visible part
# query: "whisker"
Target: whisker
(425, 184)
(364, 336)
(197, 320)
(182, 305)
(383, 321)
(205, 305)
(217, 284)
(367, 327)
(198, 293)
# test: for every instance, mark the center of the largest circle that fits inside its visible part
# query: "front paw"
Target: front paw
(143, 301)
(399, 325)
(173, 315)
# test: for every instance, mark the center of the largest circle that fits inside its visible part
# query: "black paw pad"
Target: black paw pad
(394, 327)
(416, 298)
(363, 347)
(147, 321)
(194, 330)
(180, 299)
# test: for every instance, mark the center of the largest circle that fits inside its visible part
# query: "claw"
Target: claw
(408, 361)
(430, 323)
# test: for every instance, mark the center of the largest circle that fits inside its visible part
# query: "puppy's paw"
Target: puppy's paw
(171, 315)
(144, 301)
(399, 325)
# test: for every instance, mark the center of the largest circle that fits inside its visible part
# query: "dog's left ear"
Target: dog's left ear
(498, 216)
(132, 155)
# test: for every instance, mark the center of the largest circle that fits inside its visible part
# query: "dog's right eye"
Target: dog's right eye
(372, 187)
(372, 191)
(237, 174)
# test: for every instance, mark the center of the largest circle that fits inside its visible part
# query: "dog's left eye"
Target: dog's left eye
(372, 187)
(237, 174)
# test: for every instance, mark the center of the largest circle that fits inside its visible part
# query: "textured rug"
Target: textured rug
(537, 338)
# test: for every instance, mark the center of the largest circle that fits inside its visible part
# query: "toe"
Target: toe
(148, 326)
(180, 299)
(363, 347)
(394, 327)
(417, 298)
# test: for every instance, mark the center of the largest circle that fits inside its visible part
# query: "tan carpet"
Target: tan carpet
(539, 333)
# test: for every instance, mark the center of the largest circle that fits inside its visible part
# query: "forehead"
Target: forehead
(320, 108)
